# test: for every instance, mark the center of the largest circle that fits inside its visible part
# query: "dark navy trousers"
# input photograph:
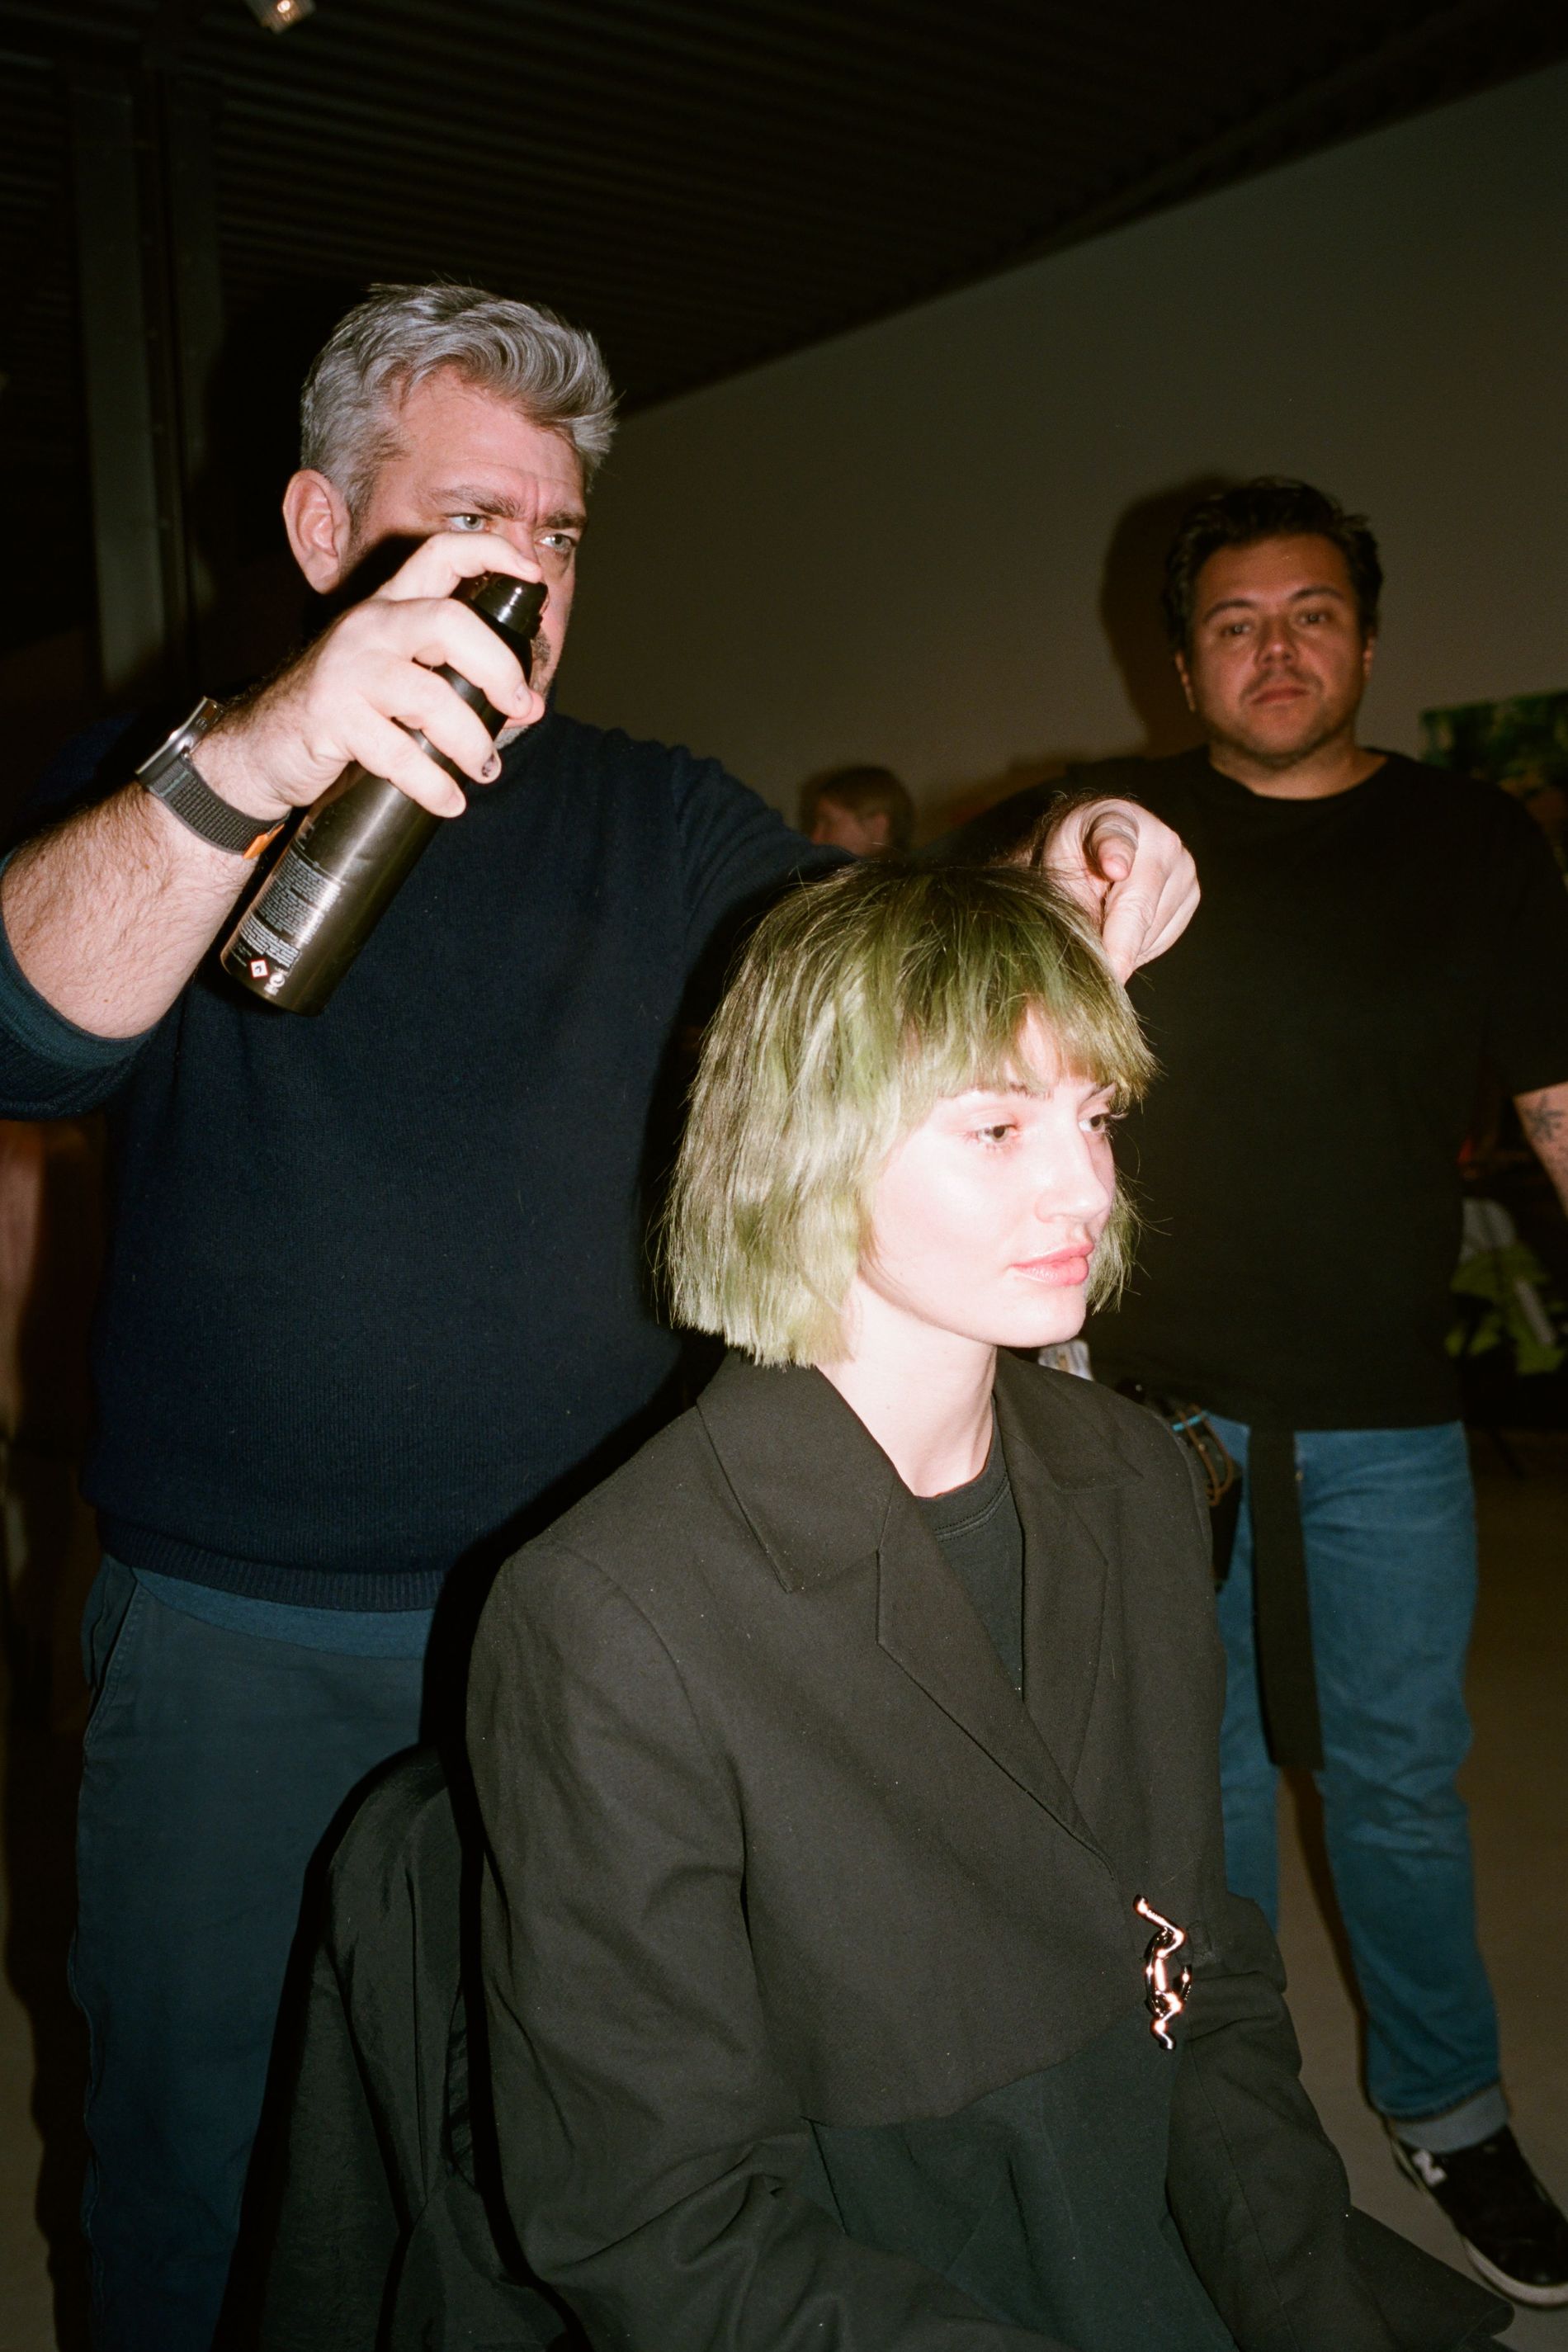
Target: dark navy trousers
(214, 1765)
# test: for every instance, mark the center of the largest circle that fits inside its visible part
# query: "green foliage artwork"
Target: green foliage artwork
(1521, 743)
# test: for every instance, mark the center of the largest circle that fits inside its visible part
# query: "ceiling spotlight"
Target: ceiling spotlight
(278, 15)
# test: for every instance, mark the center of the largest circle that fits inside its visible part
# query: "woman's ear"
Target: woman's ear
(316, 517)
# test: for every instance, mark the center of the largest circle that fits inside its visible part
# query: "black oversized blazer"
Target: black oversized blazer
(772, 1843)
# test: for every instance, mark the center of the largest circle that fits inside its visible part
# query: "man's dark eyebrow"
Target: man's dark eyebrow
(468, 501)
(1246, 604)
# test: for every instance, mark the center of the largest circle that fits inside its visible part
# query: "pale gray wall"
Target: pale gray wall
(890, 547)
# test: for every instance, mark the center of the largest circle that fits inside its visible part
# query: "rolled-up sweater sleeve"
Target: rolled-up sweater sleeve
(48, 1067)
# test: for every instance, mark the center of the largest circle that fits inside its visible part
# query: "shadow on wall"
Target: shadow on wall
(1130, 583)
(1129, 606)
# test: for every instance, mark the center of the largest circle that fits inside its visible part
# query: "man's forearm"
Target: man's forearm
(1543, 1116)
(110, 914)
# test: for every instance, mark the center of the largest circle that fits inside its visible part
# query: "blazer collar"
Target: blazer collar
(816, 1487)
(821, 1497)
(811, 1480)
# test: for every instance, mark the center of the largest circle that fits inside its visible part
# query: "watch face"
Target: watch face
(175, 747)
(170, 776)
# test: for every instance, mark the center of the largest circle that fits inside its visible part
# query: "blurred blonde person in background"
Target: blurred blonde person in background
(865, 810)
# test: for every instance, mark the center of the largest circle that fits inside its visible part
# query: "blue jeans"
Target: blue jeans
(1388, 1520)
(214, 1763)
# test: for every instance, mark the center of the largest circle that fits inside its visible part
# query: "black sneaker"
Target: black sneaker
(1511, 2231)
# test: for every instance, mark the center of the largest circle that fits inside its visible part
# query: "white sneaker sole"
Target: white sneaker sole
(1539, 2298)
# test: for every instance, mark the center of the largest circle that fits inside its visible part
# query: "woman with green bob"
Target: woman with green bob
(860, 1971)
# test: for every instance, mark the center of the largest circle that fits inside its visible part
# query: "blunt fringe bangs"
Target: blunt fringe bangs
(861, 1001)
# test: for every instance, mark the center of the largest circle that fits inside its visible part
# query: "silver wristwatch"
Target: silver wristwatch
(169, 775)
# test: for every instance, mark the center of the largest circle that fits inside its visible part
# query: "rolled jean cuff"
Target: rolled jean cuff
(1475, 2118)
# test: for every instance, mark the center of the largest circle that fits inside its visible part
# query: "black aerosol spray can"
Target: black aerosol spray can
(311, 914)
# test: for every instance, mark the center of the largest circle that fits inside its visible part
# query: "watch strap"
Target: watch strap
(171, 776)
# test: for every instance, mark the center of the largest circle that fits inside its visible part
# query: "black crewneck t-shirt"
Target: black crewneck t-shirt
(1321, 1030)
(978, 1529)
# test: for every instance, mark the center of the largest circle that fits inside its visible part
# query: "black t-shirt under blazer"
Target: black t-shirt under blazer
(801, 1930)
(1322, 1030)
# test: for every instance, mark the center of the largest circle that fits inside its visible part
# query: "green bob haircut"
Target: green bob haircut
(861, 1002)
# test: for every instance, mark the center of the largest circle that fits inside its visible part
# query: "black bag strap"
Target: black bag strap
(1282, 1612)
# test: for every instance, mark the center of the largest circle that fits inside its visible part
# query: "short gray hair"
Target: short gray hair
(400, 334)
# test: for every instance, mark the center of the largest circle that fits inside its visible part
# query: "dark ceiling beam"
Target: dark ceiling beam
(555, 58)
(340, 140)
(1276, 131)
(698, 55)
(174, 25)
(42, 38)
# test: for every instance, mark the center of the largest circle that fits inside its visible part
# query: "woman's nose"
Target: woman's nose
(1080, 1183)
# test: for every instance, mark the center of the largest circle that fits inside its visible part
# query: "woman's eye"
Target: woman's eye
(1103, 1122)
(998, 1134)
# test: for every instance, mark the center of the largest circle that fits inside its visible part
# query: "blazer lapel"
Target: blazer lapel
(821, 1497)
(926, 1625)
(1064, 1581)
(1066, 1570)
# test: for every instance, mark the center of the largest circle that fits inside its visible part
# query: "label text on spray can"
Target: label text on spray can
(284, 918)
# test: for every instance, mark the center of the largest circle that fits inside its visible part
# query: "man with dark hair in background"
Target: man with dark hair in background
(1372, 932)
(864, 810)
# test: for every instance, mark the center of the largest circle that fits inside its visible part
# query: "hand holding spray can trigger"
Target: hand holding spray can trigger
(311, 914)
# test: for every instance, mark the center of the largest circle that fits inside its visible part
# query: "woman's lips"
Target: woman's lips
(1065, 1267)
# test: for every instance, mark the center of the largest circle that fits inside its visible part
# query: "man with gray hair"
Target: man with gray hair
(375, 1306)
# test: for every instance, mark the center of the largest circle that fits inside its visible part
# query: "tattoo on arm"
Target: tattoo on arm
(1543, 1116)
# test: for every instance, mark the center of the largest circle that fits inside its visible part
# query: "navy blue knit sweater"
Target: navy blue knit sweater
(378, 1280)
